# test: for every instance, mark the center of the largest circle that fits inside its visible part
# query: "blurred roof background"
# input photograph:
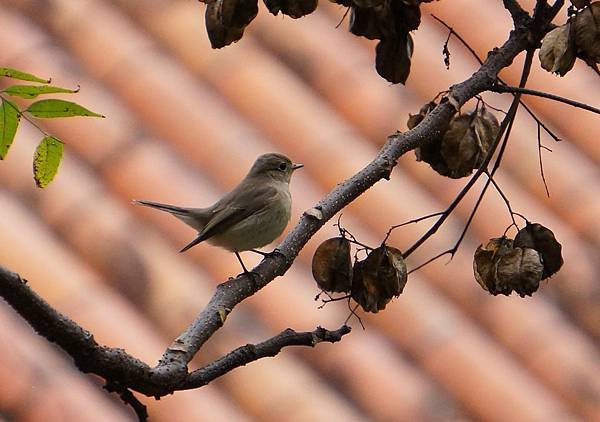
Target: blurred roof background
(185, 122)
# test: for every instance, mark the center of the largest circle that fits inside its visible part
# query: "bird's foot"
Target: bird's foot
(268, 254)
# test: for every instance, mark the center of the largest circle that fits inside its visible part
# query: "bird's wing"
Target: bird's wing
(226, 215)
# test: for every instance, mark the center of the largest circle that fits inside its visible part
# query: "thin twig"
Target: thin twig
(510, 117)
(541, 162)
(527, 91)
(415, 220)
(467, 46)
(129, 398)
(252, 352)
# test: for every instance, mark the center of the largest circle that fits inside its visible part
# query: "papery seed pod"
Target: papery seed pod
(332, 265)
(430, 151)
(466, 143)
(541, 239)
(587, 31)
(486, 128)
(367, 3)
(520, 269)
(381, 276)
(292, 8)
(415, 119)
(392, 59)
(557, 53)
(580, 4)
(459, 146)
(485, 263)
(501, 268)
(407, 17)
(226, 20)
(368, 22)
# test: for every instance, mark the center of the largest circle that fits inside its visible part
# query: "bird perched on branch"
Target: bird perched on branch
(252, 215)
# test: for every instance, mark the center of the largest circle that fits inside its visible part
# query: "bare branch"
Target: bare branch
(519, 15)
(123, 371)
(269, 348)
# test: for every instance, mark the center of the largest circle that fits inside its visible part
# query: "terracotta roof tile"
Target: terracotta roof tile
(184, 123)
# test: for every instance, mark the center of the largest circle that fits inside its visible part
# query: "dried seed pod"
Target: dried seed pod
(367, 3)
(484, 265)
(541, 239)
(292, 8)
(381, 276)
(332, 265)
(580, 4)
(407, 16)
(587, 32)
(557, 53)
(226, 20)
(521, 269)
(501, 268)
(415, 119)
(368, 22)
(392, 58)
(464, 145)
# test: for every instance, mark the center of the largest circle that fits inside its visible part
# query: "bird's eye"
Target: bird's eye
(282, 166)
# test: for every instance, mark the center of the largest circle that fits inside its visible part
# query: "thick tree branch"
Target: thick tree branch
(123, 371)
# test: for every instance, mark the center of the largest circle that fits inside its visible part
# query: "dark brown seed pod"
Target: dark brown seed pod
(501, 268)
(226, 20)
(392, 58)
(292, 8)
(541, 239)
(367, 3)
(415, 119)
(368, 22)
(557, 53)
(463, 147)
(381, 276)
(332, 265)
(521, 269)
(467, 142)
(580, 4)
(484, 265)
(587, 32)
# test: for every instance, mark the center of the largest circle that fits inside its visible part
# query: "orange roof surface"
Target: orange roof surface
(185, 122)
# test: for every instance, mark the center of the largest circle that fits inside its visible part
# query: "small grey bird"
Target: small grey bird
(252, 215)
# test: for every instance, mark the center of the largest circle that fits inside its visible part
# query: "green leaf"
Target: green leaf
(46, 160)
(9, 120)
(32, 91)
(17, 74)
(59, 108)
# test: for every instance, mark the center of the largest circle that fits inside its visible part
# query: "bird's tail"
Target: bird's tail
(194, 242)
(177, 211)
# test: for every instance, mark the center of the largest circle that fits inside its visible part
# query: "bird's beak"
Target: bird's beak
(296, 166)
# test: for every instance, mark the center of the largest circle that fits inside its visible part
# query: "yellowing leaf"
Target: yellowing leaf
(58, 108)
(17, 74)
(9, 120)
(32, 91)
(46, 160)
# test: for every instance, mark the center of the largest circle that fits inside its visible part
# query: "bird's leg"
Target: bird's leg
(241, 262)
(252, 274)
